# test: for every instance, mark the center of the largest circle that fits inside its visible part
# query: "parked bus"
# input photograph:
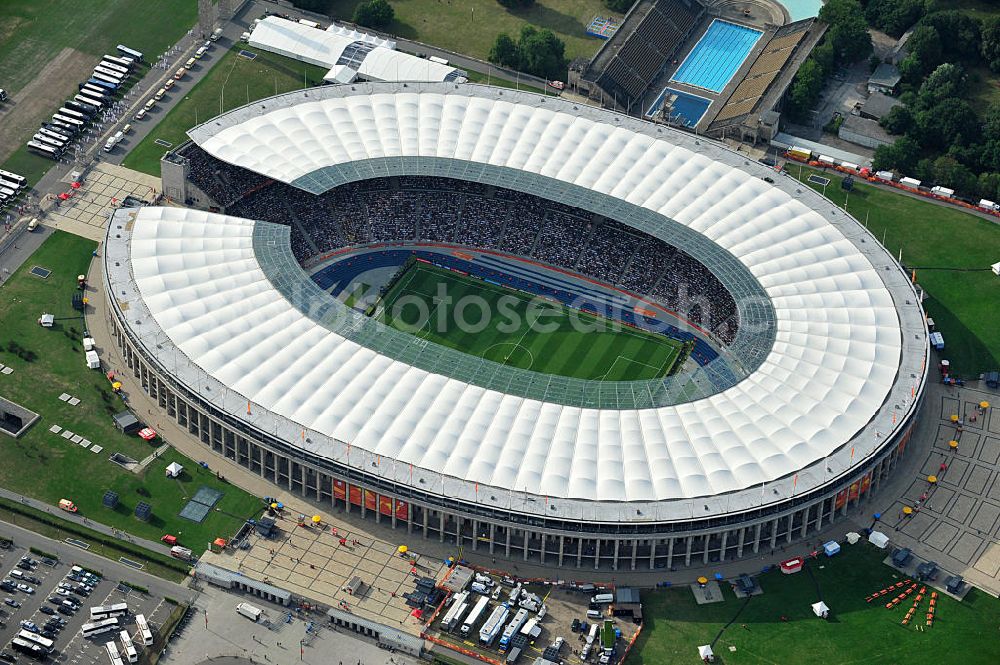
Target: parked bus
(128, 649)
(44, 150)
(108, 611)
(113, 654)
(72, 113)
(110, 73)
(129, 53)
(97, 76)
(7, 192)
(115, 67)
(44, 642)
(68, 120)
(99, 627)
(18, 180)
(109, 87)
(28, 648)
(64, 127)
(90, 101)
(124, 62)
(86, 109)
(48, 140)
(144, 632)
(94, 91)
(45, 131)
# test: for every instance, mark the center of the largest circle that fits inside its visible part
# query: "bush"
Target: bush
(134, 587)
(620, 6)
(374, 13)
(43, 553)
(516, 4)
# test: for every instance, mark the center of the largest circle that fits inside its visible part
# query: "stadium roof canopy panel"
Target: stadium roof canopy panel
(848, 356)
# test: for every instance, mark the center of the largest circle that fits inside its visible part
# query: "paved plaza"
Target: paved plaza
(956, 521)
(311, 562)
(103, 189)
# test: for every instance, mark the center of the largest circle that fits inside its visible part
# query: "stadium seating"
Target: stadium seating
(431, 209)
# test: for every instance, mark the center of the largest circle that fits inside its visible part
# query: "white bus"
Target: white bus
(7, 192)
(84, 99)
(108, 611)
(94, 91)
(44, 642)
(124, 62)
(85, 109)
(99, 627)
(68, 120)
(144, 632)
(44, 150)
(56, 135)
(18, 180)
(130, 654)
(26, 647)
(73, 113)
(106, 80)
(129, 53)
(48, 140)
(110, 73)
(113, 654)
(115, 67)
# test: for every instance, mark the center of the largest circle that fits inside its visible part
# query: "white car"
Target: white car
(25, 588)
(61, 592)
(140, 114)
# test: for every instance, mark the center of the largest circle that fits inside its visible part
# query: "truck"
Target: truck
(215, 35)
(249, 611)
(493, 625)
(454, 615)
(113, 141)
(179, 552)
(473, 617)
(512, 629)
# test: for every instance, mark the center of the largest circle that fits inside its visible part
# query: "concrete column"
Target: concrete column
(579, 552)
(378, 509)
(635, 551)
(722, 550)
(288, 463)
(597, 553)
(492, 533)
(427, 513)
(704, 556)
(687, 554)
(475, 535)
(652, 553)
(507, 547)
(441, 528)
(739, 543)
(525, 544)
(670, 554)
(614, 561)
(805, 521)
(774, 532)
(392, 507)
(562, 547)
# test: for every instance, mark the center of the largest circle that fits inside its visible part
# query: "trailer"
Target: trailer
(493, 625)
(477, 611)
(249, 611)
(512, 629)
(458, 606)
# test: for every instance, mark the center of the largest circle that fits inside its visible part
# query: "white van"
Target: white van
(33, 224)
(150, 104)
(17, 574)
(594, 614)
(249, 611)
(215, 35)
(603, 598)
(158, 95)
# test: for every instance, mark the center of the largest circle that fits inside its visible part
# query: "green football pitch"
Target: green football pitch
(520, 330)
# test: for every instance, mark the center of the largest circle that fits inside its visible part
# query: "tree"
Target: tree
(542, 53)
(948, 80)
(950, 173)
(964, 34)
(318, 6)
(990, 48)
(504, 51)
(374, 13)
(901, 155)
(989, 185)
(950, 122)
(925, 53)
(620, 6)
(848, 30)
(806, 86)
(516, 4)
(894, 16)
(899, 120)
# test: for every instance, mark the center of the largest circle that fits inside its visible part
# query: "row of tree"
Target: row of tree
(536, 51)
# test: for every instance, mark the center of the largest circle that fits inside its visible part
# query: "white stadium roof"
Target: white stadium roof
(324, 48)
(838, 376)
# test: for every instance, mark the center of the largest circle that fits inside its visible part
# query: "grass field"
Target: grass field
(951, 251)
(471, 26)
(234, 81)
(33, 33)
(857, 632)
(522, 331)
(44, 465)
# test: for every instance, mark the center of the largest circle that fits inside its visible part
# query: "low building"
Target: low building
(878, 106)
(884, 79)
(865, 132)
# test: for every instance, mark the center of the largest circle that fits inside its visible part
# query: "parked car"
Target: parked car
(25, 588)
(23, 565)
(47, 561)
(55, 600)
(65, 585)
(7, 585)
(7, 657)
(32, 579)
(29, 626)
(62, 592)
(48, 633)
(62, 609)
(45, 609)
(11, 602)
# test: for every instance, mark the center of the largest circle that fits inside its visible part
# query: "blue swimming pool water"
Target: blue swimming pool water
(688, 108)
(717, 55)
(800, 9)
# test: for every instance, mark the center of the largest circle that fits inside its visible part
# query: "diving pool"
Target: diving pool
(717, 56)
(687, 108)
(800, 9)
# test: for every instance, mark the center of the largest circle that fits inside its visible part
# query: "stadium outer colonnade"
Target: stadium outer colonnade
(614, 546)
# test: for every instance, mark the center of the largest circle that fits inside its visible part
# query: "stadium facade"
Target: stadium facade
(235, 343)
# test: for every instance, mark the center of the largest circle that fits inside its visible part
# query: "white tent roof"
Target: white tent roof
(174, 469)
(324, 48)
(358, 36)
(705, 651)
(340, 74)
(819, 608)
(878, 539)
(834, 361)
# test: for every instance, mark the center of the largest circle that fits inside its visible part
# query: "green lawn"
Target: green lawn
(46, 466)
(522, 331)
(983, 88)
(951, 252)
(33, 33)
(856, 633)
(471, 26)
(233, 81)
(477, 77)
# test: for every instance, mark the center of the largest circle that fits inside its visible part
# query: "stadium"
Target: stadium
(758, 376)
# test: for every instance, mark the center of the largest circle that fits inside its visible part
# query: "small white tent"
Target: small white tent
(821, 610)
(878, 539)
(996, 268)
(174, 470)
(853, 537)
(93, 361)
(705, 653)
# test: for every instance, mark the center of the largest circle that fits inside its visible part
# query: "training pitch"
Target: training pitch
(521, 330)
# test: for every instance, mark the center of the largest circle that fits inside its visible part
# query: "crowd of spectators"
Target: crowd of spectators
(431, 209)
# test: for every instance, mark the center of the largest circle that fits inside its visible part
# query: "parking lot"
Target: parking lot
(558, 629)
(40, 601)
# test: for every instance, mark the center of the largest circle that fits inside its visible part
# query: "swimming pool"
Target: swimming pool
(800, 9)
(688, 108)
(717, 56)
